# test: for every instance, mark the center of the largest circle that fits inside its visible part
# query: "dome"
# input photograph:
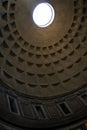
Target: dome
(43, 69)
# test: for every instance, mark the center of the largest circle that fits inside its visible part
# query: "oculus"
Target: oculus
(43, 15)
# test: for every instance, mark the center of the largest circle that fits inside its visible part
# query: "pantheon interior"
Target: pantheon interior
(43, 64)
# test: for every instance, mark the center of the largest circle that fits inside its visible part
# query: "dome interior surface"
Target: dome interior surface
(43, 62)
(43, 71)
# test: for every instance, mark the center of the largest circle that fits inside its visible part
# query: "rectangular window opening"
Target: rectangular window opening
(13, 105)
(40, 111)
(64, 108)
(84, 97)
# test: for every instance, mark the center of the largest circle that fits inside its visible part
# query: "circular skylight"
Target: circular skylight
(43, 15)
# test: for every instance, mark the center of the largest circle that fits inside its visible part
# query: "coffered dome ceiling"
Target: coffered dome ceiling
(43, 71)
(43, 62)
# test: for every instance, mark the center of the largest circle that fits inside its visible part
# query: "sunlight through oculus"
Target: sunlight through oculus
(43, 15)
